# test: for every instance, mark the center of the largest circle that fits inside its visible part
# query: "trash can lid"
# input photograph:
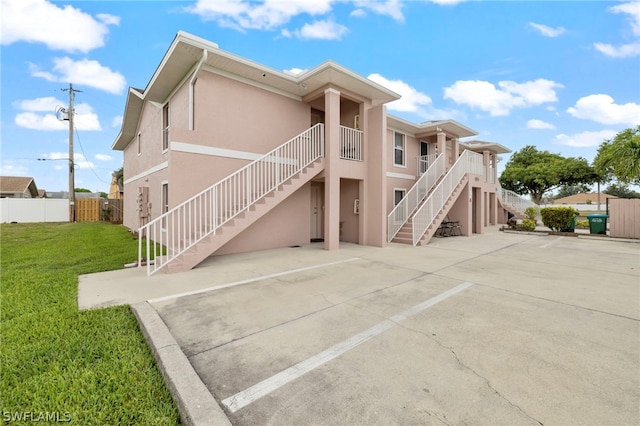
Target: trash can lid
(600, 215)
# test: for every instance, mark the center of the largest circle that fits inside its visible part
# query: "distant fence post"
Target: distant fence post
(624, 217)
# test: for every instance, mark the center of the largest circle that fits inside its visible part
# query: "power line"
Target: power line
(87, 161)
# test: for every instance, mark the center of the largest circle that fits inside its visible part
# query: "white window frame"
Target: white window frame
(402, 149)
(164, 201)
(165, 127)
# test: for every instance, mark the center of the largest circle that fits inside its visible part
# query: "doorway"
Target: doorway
(316, 211)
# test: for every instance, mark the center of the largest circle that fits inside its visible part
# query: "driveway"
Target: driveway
(491, 329)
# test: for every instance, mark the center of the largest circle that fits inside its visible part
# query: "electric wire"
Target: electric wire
(86, 160)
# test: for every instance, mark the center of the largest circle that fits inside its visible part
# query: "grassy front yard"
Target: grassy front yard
(91, 367)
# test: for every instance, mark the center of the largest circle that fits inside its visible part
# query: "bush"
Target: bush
(558, 218)
(582, 224)
(528, 225)
(531, 213)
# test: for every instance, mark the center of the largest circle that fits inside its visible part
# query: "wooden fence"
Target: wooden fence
(624, 218)
(97, 209)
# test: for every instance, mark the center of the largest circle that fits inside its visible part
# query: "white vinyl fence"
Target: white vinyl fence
(27, 210)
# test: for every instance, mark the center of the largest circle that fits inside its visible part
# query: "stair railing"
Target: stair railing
(468, 162)
(517, 202)
(412, 199)
(182, 227)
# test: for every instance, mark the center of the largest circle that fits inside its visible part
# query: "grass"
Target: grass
(93, 367)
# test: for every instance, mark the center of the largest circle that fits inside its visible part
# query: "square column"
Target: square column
(332, 169)
(374, 209)
(441, 146)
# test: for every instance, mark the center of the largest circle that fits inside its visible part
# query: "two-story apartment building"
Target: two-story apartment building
(225, 155)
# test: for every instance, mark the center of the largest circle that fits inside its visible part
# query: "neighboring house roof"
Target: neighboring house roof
(583, 197)
(42, 193)
(188, 52)
(479, 146)
(18, 184)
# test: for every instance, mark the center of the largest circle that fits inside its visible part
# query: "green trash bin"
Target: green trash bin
(597, 223)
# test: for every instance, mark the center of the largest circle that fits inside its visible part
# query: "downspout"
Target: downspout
(191, 86)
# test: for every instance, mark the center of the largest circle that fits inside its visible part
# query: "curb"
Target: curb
(195, 403)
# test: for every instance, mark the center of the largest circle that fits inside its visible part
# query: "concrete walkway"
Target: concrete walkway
(497, 328)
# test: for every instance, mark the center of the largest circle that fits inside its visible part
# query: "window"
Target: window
(398, 149)
(165, 198)
(398, 195)
(165, 127)
(139, 145)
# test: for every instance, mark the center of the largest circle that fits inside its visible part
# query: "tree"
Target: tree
(534, 172)
(119, 177)
(82, 190)
(620, 158)
(621, 190)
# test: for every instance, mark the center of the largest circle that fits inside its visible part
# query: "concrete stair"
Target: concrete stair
(210, 244)
(405, 235)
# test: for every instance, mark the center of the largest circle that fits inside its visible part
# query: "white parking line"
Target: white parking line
(265, 387)
(549, 244)
(250, 280)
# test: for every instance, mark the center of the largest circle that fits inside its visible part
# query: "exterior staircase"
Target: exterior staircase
(515, 203)
(424, 221)
(190, 232)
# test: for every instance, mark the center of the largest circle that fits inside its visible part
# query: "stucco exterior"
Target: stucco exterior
(206, 114)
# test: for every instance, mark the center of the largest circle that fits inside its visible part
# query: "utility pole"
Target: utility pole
(72, 190)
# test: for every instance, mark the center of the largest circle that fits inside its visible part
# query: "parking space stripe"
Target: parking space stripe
(265, 387)
(549, 244)
(250, 280)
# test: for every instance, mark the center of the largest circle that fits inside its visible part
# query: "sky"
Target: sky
(562, 76)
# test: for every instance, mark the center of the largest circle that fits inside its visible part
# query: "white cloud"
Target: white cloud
(539, 124)
(117, 121)
(321, 30)
(585, 139)
(629, 49)
(624, 51)
(391, 8)
(502, 99)
(9, 168)
(412, 100)
(295, 71)
(32, 116)
(264, 15)
(79, 160)
(84, 72)
(602, 109)
(103, 157)
(59, 28)
(546, 30)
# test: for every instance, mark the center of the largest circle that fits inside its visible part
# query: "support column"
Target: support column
(375, 207)
(486, 163)
(455, 149)
(441, 146)
(332, 170)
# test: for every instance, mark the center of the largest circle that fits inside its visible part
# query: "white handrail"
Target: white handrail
(175, 231)
(424, 161)
(468, 162)
(516, 201)
(412, 199)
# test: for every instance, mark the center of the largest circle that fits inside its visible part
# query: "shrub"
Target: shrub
(531, 213)
(558, 218)
(582, 224)
(528, 225)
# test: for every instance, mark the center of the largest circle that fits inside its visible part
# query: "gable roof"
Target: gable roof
(479, 146)
(187, 52)
(18, 184)
(583, 197)
(429, 128)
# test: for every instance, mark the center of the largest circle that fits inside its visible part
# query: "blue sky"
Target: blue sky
(559, 75)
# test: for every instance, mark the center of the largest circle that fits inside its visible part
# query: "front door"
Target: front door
(316, 218)
(423, 163)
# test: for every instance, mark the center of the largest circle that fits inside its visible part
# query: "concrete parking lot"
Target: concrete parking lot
(490, 329)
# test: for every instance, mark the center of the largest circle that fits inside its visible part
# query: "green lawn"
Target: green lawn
(92, 366)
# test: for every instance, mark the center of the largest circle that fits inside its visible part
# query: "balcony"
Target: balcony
(351, 144)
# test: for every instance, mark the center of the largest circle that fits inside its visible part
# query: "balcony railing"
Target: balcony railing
(351, 144)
